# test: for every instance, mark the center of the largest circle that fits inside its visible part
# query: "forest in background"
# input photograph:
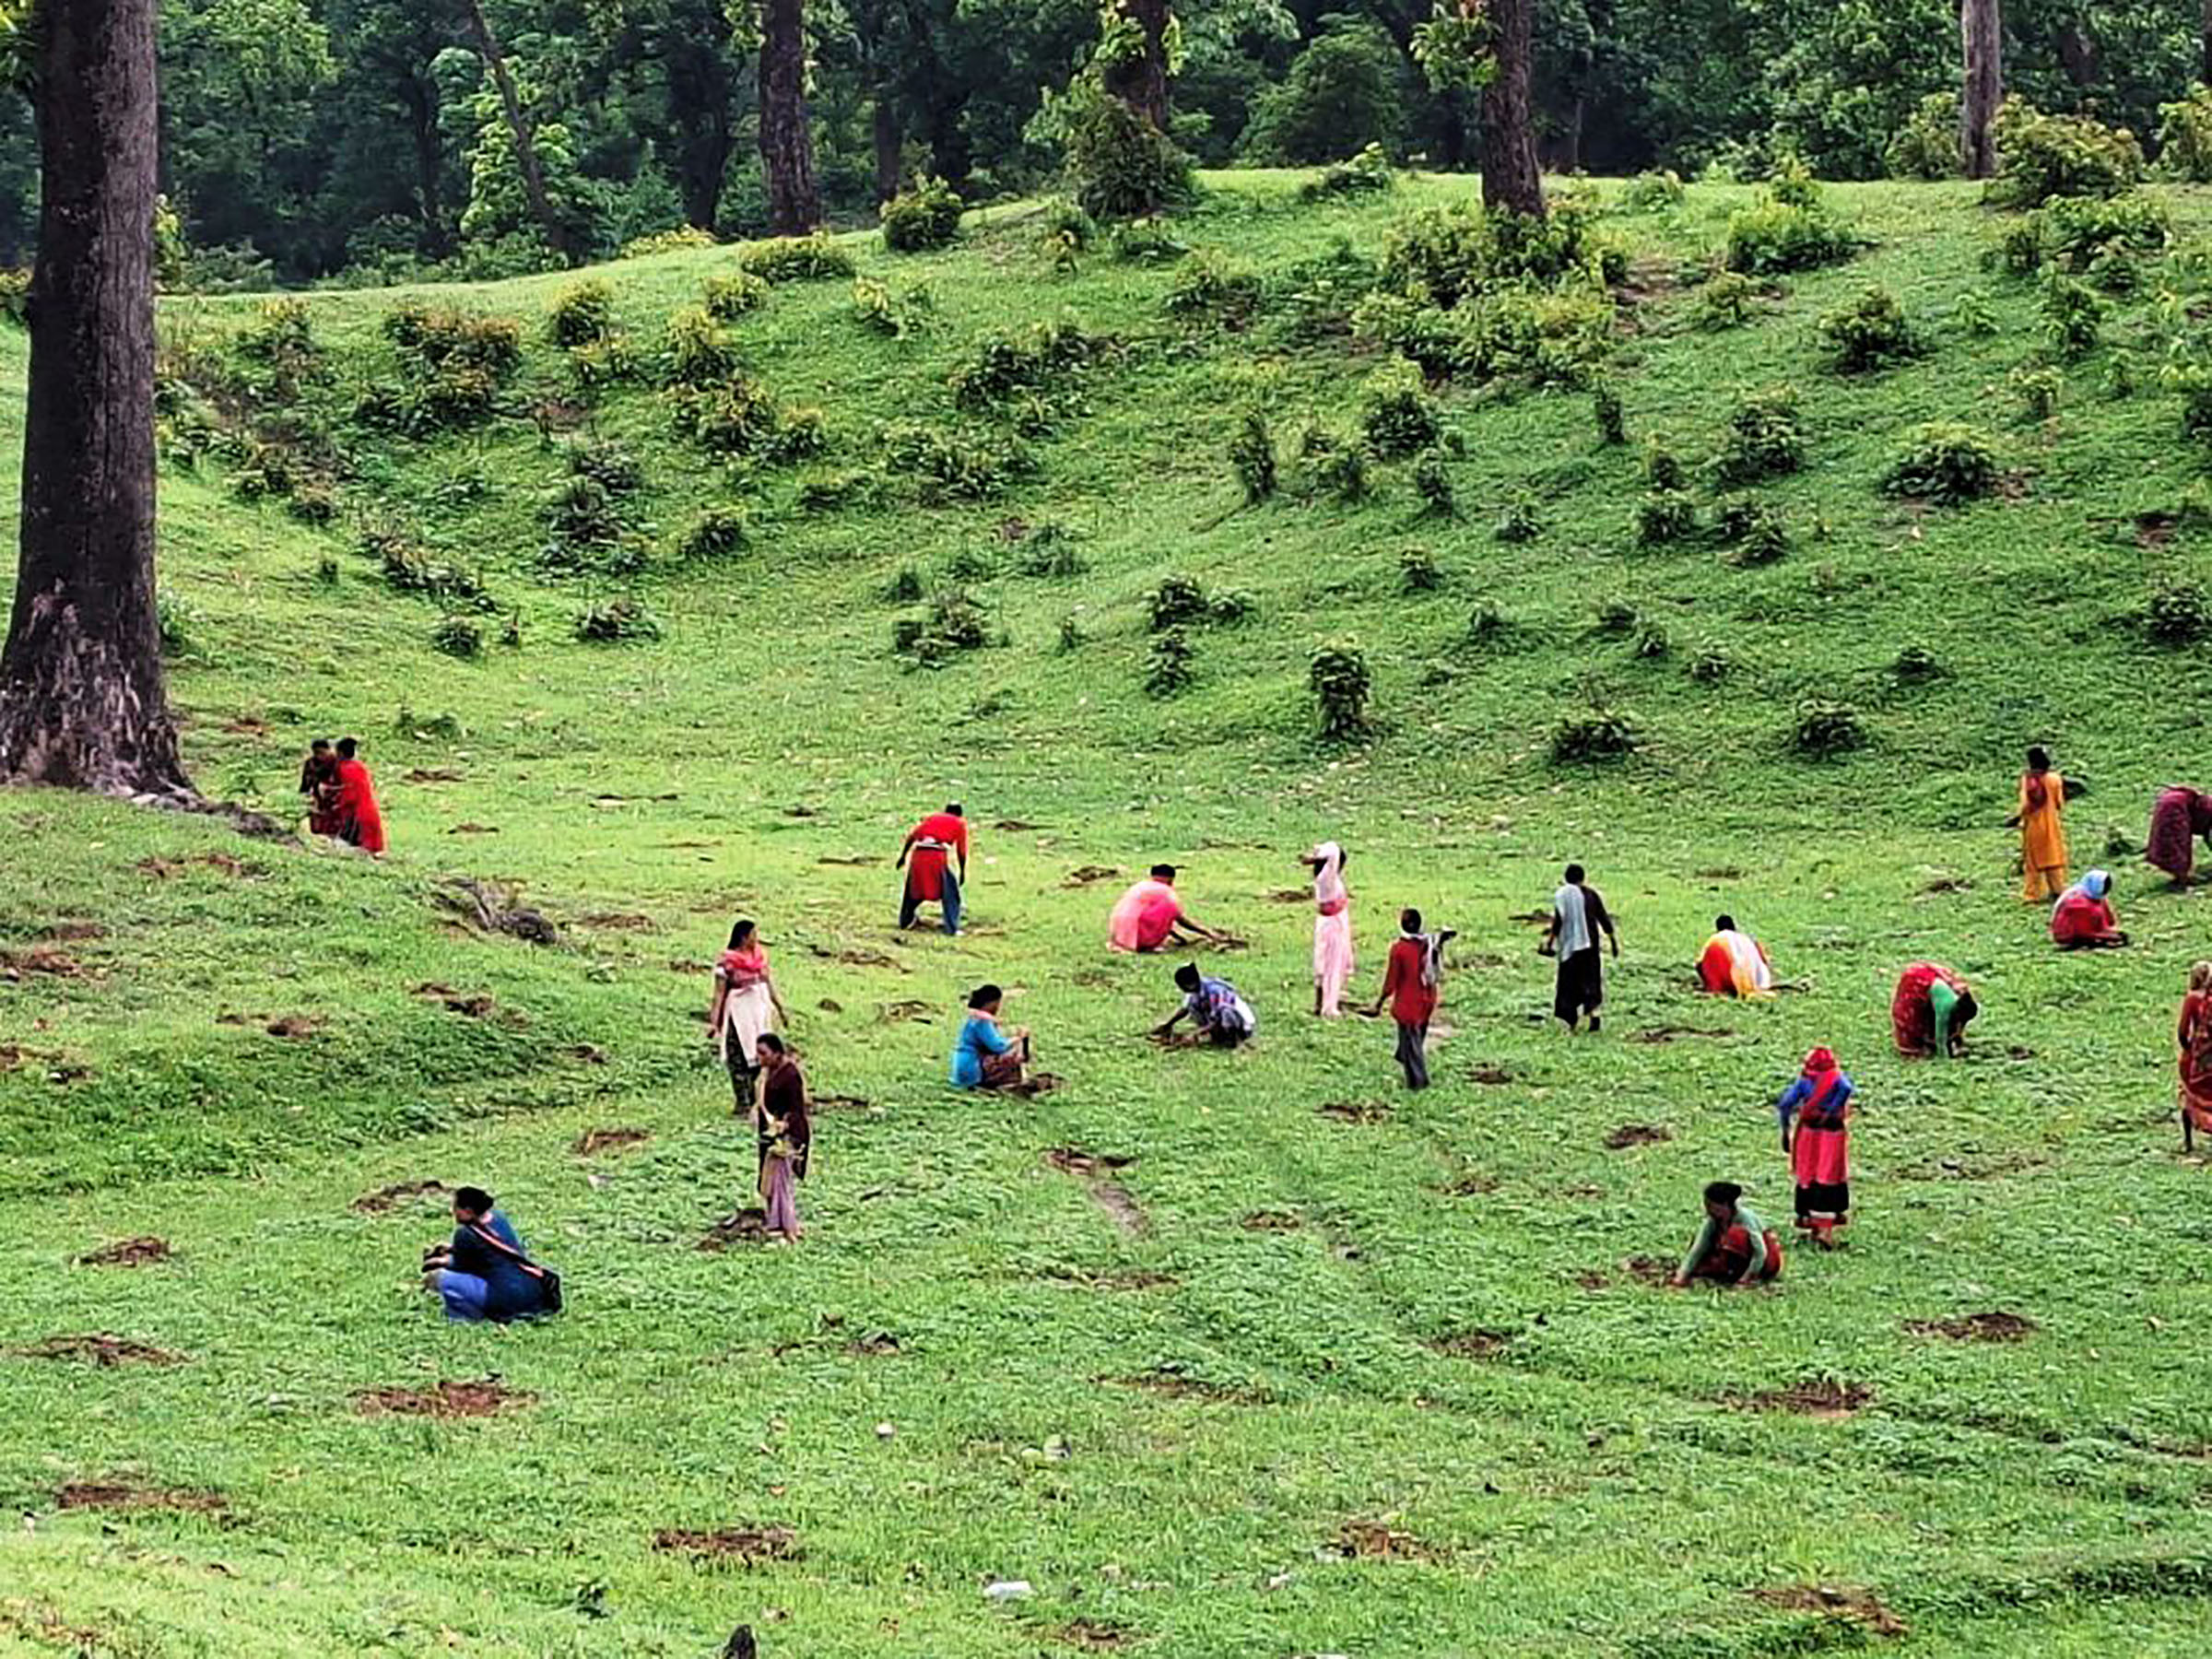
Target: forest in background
(370, 140)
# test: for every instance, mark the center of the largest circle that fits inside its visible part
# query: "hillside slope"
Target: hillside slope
(1376, 1381)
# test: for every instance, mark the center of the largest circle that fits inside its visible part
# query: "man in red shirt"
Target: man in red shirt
(1409, 985)
(930, 846)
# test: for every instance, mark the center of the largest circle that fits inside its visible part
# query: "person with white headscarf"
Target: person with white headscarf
(2083, 919)
(1333, 959)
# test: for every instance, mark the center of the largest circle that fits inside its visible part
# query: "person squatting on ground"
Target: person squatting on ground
(1732, 1247)
(483, 1272)
(1217, 1015)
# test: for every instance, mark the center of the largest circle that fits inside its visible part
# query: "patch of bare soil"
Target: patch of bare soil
(472, 828)
(1721, 872)
(1087, 875)
(1976, 1327)
(1468, 1185)
(1947, 884)
(585, 1053)
(1637, 1134)
(294, 1025)
(1291, 895)
(497, 907)
(746, 1545)
(99, 1349)
(1354, 1112)
(1072, 1161)
(619, 921)
(1171, 1383)
(18, 965)
(1473, 1345)
(127, 1253)
(1670, 1033)
(594, 1141)
(1089, 1633)
(741, 1226)
(857, 956)
(1648, 1270)
(162, 869)
(876, 1344)
(474, 1005)
(2155, 529)
(1492, 1076)
(1035, 1084)
(1112, 1278)
(848, 860)
(432, 774)
(47, 1627)
(1824, 1400)
(1016, 827)
(837, 1103)
(63, 933)
(386, 1199)
(1270, 1221)
(1835, 1601)
(898, 1013)
(117, 1494)
(486, 1396)
(1379, 1541)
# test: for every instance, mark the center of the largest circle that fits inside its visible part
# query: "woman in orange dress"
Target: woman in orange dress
(2193, 1038)
(2041, 818)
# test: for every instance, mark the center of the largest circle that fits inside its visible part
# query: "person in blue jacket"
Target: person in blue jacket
(485, 1273)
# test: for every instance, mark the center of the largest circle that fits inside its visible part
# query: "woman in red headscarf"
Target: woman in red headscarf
(1815, 1112)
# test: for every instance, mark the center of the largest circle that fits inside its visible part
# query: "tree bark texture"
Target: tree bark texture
(420, 95)
(1981, 38)
(524, 135)
(794, 205)
(889, 143)
(2205, 70)
(82, 700)
(1511, 178)
(1141, 81)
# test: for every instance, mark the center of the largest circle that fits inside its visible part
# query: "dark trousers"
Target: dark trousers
(1413, 1053)
(949, 887)
(741, 1075)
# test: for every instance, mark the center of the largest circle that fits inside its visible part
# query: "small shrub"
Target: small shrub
(615, 621)
(950, 467)
(1419, 571)
(796, 259)
(2120, 377)
(1600, 733)
(2044, 156)
(2178, 612)
(906, 587)
(1649, 642)
(739, 417)
(679, 240)
(1119, 165)
(924, 216)
(1518, 523)
(899, 314)
(2097, 236)
(1710, 665)
(1869, 333)
(1168, 668)
(1617, 618)
(1176, 602)
(2193, 382)
(1003, 366)
(2018, 248)
(1756, 533)
(1071, 635)
(1926, 147)
(1766, 438)
(458, 637)
(326, 572)
(1432, 483)
(608, 464)
(1051, 551)
(281, 335)
(1726, 299)
(1665, 516)
(2073, 317)
(2185, 137)
(1364, 173)
(1653, 192)
(1230, 607)
(1947, 462)
(832, 492)
(729, 295)
(1611, 416)
(1252, 453)
(1343, 471)
(1065, 230)
(1662, 469)
(1397, 412)
(1971, 314)
(697, 351)
(1824, 730)
(716, 533)
(176, 621)
(2038, 390)
(1487, 625)
(581, 512)
(1339, 681)
(580, 314)
(602, 363)
(1146, 241)
(1773, 236)
(314, 501)
(1442, 256)
(1208, 284)
(1916, 665)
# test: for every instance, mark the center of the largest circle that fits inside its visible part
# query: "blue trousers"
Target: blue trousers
(465, 1294)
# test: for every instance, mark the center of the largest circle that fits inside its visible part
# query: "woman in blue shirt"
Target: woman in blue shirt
(983, 1056)
(485, 1273)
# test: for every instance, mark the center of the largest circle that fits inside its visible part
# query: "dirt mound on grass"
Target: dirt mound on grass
(1468, 1185)
(1089, 873)
(1492, 1076)
(474, 1005)
(115, 1494)
(1270, 1221)
(594, 1141)
(747, 1546)
(876, 1344)
(1354, 1112)
(1071, 1160)
(100, 1349)
(18, 965)
(1172, 1384)
(65, 933)
(1835, 1601)
(387, 1198)
(486, 1396)
(1648, 1270)
(899, 1013)
(1637, 1134)
(1089, 1633)
(1824, 1399)
(1670, 1033)
(127, 1253)
(1473, 1345)
(1379, 1541)
(1091, 1168)
(745, 1226)
(1976, 1327)
(162, 869)
(1111, 1278)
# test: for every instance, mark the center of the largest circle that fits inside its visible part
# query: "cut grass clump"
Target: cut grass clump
(619, 621)
(1170, 665)
(1947, 462)
(953, 624)
(716, 532)
(1824, 730)
(1597, 735)
(1766, 438)
(1252, 456)
(1666, 516)
(1868, 333)
(924, 217)
(796, 259)
(2178, 612)
(1418, 573)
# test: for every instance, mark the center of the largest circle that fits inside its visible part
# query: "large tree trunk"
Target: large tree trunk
(524, 135)
(890, 145)
(421, 97)
(2205, 69)
(794, 205)
(82, 703)
(1141, 80)
(1981, 36)
(1510, 179)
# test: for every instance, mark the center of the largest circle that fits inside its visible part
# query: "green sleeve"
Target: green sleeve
(1943, 1002)
(1700, 1247)
(1757, 1234)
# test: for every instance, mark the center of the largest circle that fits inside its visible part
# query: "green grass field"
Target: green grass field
(1375, 1384)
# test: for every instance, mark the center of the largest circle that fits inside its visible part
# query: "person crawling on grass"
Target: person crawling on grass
(483, 1273)
(1732, 1247)
(1217, 1015)
(1734, 964)
(1150, 916)
(982, 1055)
(2083, 919)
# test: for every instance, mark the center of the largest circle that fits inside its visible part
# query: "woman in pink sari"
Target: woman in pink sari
(1332, 959)
(1150, 914)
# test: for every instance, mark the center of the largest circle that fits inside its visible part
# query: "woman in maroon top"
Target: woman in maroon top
(786, 1131)
(1409, 985)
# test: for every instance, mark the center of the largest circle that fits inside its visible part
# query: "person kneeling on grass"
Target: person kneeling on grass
(1217, 1014)
(982, 1055)
(2083, 919)
(485, 1273)
(1732, 1248)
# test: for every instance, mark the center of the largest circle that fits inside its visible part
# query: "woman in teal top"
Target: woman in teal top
(982, 1055)
(1732, 1248)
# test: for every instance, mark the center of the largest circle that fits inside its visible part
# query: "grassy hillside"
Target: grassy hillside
(1366, 1374)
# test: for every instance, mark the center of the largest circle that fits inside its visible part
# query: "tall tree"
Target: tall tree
(1981, 36)
(1489, 45)
(1135, 55)
(83, 703)
(522, 131)
(2204, 68)
(794, 202)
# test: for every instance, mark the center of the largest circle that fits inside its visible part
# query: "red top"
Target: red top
(1411, 1002)
(2080, 917)
(925, 869)
(353, 806)
(942, 827)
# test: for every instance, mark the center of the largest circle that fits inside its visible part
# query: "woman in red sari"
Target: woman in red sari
(1930, 1012)
(353, 804)
(2181, 817)
(2193, 1038)
(1815, 1132)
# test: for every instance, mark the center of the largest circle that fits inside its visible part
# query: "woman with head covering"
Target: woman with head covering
(2083, 919)
(745, 1005)
(1931, 1011)
(1733, 963)
(1815, 1114)
(1332, 929)
(2181, 817)
(2195, 1040)
(1732, 1247)
(2041, 820)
